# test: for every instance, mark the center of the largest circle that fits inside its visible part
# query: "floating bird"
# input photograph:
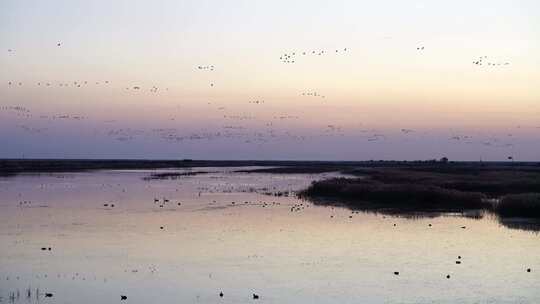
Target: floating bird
(206, 67)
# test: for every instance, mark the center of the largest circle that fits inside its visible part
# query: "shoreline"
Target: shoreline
(9, 167)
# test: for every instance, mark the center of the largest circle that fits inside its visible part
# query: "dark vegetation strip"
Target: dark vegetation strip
(509, 192)
(173, 175)
(492, 181)
(514, 187)
(414, 197)
(519, 205)
(296, 170)
(14, 166)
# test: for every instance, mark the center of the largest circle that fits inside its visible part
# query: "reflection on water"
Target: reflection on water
(529, 224)
(521, 223)
(187, 239)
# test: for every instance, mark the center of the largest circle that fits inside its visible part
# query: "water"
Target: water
(209, 245)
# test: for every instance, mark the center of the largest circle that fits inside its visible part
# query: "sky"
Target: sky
(365, 80)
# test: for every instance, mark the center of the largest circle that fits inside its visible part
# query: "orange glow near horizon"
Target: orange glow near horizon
(412, 67)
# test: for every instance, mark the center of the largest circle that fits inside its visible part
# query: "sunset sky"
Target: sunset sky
(121, 79)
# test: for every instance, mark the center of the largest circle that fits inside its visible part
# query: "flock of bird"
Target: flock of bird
(163, 201)
(291, 56)
(75, 84)
(313, 94)
(268, 130)
(83, 84)
(206, 67)
(245, 134)
(483, 60)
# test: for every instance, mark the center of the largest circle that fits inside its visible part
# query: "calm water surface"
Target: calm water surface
(256, 245)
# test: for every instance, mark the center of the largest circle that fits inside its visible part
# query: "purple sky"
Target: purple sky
(326, 80)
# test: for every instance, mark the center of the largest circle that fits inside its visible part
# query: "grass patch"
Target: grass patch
(519, 205)
(295, 170)
(360, 193)
(493, 182)
(173, 175)
(506, 191)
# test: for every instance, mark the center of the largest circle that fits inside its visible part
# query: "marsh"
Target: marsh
(232, 234)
